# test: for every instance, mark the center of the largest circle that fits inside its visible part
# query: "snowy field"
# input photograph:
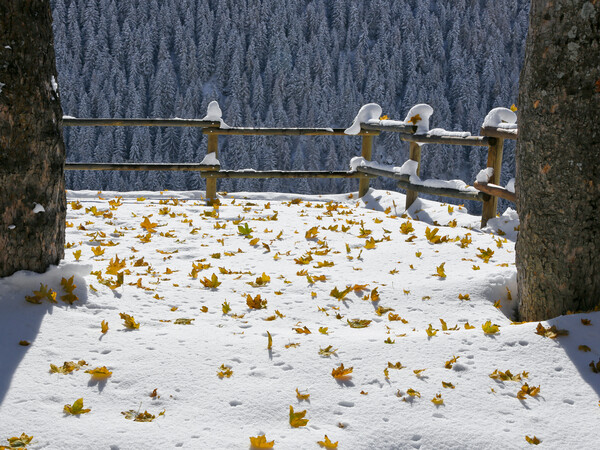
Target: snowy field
(245, 313)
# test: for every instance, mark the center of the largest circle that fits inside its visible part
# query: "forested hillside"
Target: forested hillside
(280, 63)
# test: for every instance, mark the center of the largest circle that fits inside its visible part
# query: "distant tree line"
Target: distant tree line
(281, 63)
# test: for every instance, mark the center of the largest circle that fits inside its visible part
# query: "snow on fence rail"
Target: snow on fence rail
(414, 129)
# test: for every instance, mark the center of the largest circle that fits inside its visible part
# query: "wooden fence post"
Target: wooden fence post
(367, 151)
(211, 183)
(495, 150)
(415, 155)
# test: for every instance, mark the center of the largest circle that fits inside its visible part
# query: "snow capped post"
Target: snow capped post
(496, 118)
(213, 112)
(368, 112)
(418, 115)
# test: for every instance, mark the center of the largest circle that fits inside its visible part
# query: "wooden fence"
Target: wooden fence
(491, 138)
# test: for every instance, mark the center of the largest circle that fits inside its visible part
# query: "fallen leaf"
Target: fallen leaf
(76, 408)
(260, 441)
(297, 418)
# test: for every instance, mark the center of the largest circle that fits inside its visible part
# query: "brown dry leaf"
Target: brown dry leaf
(551, 332)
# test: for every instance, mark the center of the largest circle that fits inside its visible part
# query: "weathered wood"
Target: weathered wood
(211, 183)
(415, 155)
(502, 133)
(473, 141)
(106, 122)
(248, 131)
(497, 191)
(186, 167)
(404, 183)
(408, 129)
(283, 174)
(366, 153)
(494, 161)
(32, 151)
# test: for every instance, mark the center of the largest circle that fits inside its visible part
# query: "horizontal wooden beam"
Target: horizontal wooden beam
(404, 183)
(496, 191)
(502, 133)
(474, 141)
(142, 166)
(284, 174)
(239, 131)
(104, 122)
(409, 129)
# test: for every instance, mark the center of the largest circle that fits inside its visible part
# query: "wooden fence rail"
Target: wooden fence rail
(492, 138)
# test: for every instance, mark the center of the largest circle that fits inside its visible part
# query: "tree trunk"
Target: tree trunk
(32, 152)
(558, 160)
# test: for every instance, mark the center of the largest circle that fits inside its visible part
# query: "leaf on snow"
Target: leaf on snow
(297, 418)
(326, 443)
(76, 408)
(260, 441)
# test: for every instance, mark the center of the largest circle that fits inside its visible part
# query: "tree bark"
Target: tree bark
(32, 152)
(558, 160)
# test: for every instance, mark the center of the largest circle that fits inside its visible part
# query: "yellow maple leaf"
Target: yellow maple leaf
(437, 400)
(43, 293)
(303, 330)
(341, 372)
(485, 255)
(468, 327)
(323, 330)
(226, 307)
(552, 332)
(297, 418)
(300, 396)
(224, 372)
(447, 385)
(513, 108)
(148, 226)
(260, 441)
(98, 251)
(489, 328)
(415, 119)
(18, 442)
(256, 302)
(67, 367)
(431, 331)
(104, 326)
(406, 227)
(358, 323)
(312, 233)
(211, 283)
(326, 442)
(99, 373)
(413, 393)
(76, 408)
(269, 341)
(464, 297)
(340, 294)
(532, 440)
(77, 255)
(375, 295)
(370, 244)
(129, 321)
(327, 351)
(440, 272)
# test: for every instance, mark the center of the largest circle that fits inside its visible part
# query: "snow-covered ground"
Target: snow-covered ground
(422, 339)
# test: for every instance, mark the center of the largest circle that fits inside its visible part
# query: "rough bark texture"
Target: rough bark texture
(32, 152)
(558, 160)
